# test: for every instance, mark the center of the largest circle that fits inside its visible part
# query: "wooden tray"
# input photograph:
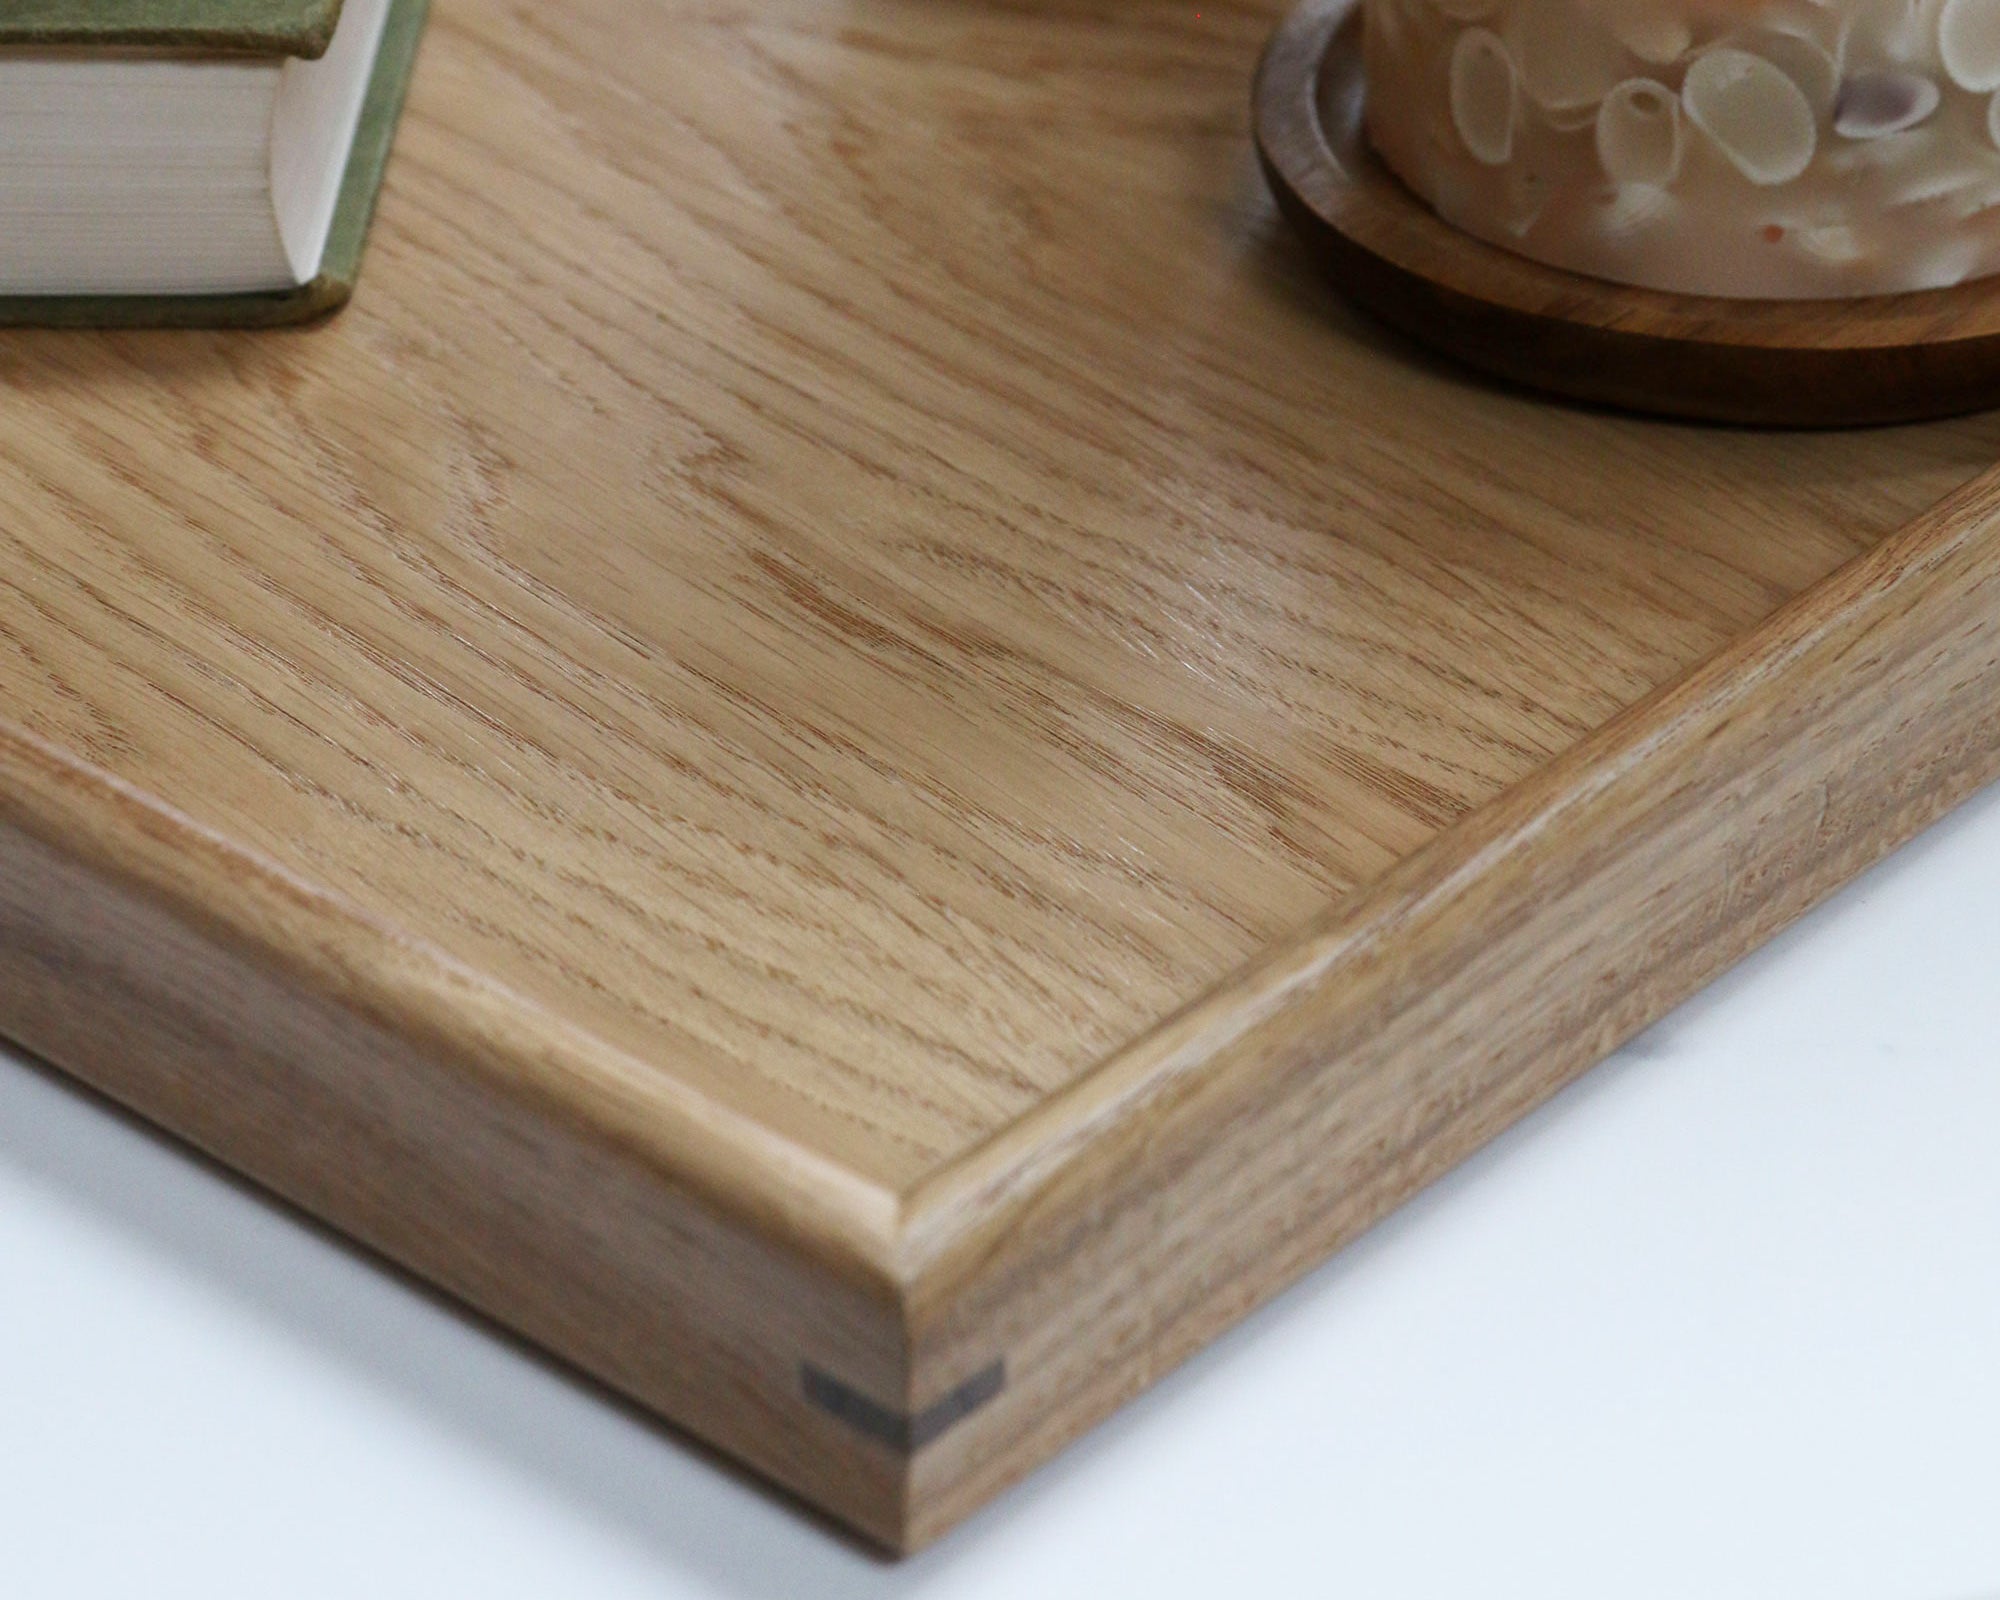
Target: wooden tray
(848, 752)
(1813, 363)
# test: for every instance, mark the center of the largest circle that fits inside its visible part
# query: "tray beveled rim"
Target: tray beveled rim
(955, 1208)
(1699, 765)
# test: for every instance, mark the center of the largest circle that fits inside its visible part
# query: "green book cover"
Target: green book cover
(256, 27)
(268, 27)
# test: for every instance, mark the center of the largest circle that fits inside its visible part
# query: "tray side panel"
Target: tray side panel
(1202, 1173)
(524, 1211)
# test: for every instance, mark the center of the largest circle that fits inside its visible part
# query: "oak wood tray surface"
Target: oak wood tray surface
(847, 751)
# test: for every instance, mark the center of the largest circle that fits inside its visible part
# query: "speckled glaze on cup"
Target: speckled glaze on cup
(1786, 149)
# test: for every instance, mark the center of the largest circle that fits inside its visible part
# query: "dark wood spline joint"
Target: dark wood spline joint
(904, 1431)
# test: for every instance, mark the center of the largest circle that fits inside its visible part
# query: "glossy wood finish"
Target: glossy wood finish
(1202, 1169)
(731, 764)
(1793, 363)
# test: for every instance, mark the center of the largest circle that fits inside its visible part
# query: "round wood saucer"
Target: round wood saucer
(1818, 363)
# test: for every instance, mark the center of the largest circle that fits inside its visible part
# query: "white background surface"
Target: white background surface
(1724, 1320)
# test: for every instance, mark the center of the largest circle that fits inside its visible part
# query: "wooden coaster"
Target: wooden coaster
(1818, 363)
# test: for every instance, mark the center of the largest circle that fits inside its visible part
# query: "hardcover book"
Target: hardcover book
(193, 162)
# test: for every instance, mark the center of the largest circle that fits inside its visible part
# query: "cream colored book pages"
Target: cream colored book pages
(312, 127)
(171, 176)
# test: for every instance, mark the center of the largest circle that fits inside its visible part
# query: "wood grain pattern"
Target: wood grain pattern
(1793, 363)
(1207, 1166)
(838, 575)
(470, 1138)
